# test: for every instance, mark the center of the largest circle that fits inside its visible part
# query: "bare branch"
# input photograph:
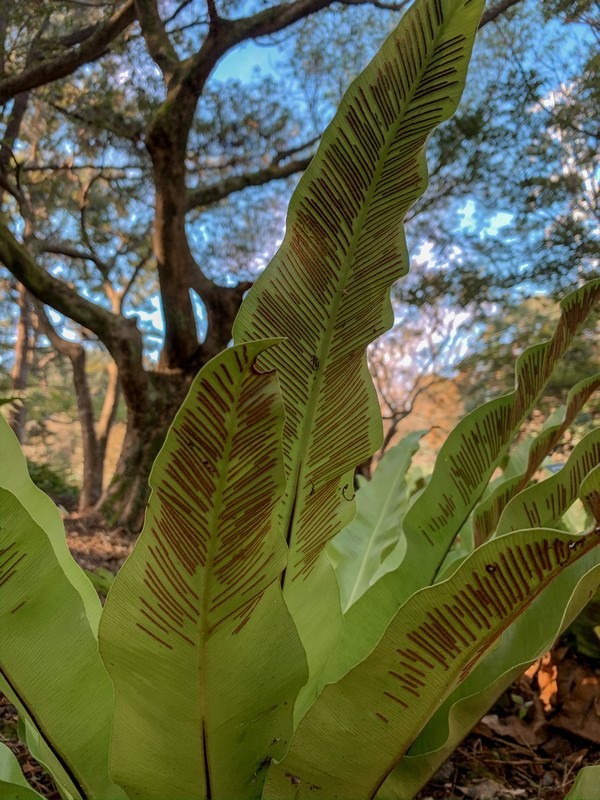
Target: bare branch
(108, 172)
(208, 195)
(14, 191)
(493, 13)
(292, 151)
(137, 270)
(213, 15)
(91, 48)
(377, 4)
(276, 18)
(225, 34)
(397, 416)
(105, 119)
(178, 11)
(73, 350)
(73, 252)
(119, 334)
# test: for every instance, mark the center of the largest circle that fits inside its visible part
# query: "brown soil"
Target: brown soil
(529, 747)
(93, 547)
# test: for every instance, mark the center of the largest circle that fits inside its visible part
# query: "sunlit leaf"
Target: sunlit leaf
(207, 662)
(436, 640)
(13, 785)
(487, 513)
(327, 289)
(462, 470)
(359, 551)
(544, 503)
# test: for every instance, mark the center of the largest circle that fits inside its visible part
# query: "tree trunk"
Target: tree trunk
(93, 441)
(91, 486)
(20, 370)
(109, 410)
(167, 145)
(124, 501)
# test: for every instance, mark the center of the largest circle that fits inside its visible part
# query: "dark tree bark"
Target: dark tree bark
(20, 370)
(93, 438)
(108, 412)
(124, 500)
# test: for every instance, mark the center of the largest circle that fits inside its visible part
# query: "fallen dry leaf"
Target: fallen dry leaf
(528, 732)
(490, 790)
(579, 702)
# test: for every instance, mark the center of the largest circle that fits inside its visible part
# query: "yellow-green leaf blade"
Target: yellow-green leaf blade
(207, 662)
(529, 637)
(462, 470)
(544, 503)
(374, 713)
(488, 512)
(327, 289)
(475, 447)
(49, 663)
(14, 476)
(587, 785)
(358, 551)
(13, 785)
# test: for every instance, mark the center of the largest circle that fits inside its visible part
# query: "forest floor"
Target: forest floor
(529, 747)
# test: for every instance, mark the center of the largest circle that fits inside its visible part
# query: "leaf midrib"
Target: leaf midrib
(298, 475)
(209, 578)
(391, 495)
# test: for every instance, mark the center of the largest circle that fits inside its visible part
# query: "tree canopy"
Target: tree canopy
(145, 164)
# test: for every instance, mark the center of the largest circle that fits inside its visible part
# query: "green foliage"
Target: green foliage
(233, 659)
(56, 484)
(102, 579)
(586, 785)
(585, 630)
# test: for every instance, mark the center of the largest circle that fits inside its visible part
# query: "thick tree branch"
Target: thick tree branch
(72, 350)
(208, 195)
(166, 142)
(277, 18)
(3, 31)
(91, 48)
(156, 37)
(47, 288)
(13, 127)
(377, 4)
(225, 34)
(222, 304)
(213, 15)
(119, 334)
(74, 252)
(495, 11)
(93, 449)
(110, 404)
